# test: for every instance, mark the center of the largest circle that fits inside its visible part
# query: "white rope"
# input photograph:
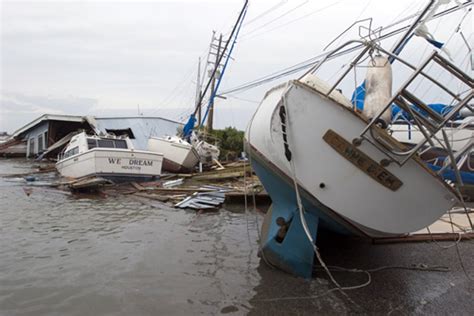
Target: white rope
(301, 210)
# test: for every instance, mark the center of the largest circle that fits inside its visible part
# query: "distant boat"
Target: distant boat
(460, 136)
(324, 164)
(108, 157)
(178, 154)
(208, 153)
(460, 132)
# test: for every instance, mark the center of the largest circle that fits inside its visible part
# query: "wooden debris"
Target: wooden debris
(219, 176)
(173, 183)
(137, 186)
(441, 230)
(221, 167)
(88, 183)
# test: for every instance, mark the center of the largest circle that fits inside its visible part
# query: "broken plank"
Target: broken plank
(137, 186)
(220, 176)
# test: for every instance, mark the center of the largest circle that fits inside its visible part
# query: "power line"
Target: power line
(276, 19)
(314, 60)
(271, 9)
(294, 20)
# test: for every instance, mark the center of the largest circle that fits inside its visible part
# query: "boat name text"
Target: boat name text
(132, 163)
(362, 161)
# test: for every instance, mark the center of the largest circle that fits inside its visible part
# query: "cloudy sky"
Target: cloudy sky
(116, 58)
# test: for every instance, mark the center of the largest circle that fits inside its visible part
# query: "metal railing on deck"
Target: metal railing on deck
(428, 121)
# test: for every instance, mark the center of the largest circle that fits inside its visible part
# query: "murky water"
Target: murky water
(64, 254)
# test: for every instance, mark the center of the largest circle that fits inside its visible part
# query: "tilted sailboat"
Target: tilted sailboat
(178, 154)
(324, 164)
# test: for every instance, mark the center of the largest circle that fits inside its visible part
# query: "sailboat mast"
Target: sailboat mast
(402, 42)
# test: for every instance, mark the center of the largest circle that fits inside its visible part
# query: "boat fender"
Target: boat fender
(285, 136)
(378, 89)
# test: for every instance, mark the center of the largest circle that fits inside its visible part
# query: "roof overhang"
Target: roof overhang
(48, 117)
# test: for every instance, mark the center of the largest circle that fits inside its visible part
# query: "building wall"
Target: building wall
(37, 139)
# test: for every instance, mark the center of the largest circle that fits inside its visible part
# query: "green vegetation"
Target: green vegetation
(230, 142)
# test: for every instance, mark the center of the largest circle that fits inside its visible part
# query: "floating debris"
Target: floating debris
(173, 183)
(88, 183)
(205, 200)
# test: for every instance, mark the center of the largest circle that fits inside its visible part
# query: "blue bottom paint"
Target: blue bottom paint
(294, 254)
(449, 174)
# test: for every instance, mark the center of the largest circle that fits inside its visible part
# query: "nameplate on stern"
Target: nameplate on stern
(362, 161)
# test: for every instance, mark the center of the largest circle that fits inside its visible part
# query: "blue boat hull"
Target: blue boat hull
(294, 253)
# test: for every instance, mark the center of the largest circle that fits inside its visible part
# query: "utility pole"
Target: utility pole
(210, 118)
(198, 90)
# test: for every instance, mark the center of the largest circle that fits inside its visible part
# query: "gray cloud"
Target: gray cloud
(18, 109)
(115, 55)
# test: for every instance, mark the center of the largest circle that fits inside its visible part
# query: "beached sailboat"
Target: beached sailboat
(109, 157)
(178, 154)
(324, 164)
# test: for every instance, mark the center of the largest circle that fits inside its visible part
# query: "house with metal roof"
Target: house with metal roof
(36, 136)
(138, 128)
(49, 133)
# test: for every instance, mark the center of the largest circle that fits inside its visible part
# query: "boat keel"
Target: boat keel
(286, 245)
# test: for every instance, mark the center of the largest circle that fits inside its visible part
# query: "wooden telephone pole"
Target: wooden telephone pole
(210, 118)
(198, 90)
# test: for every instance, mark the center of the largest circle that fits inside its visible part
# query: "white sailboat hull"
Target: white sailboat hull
(112, 163)
(178, 157)
(332, 183)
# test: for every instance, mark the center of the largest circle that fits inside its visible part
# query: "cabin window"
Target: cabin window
(91, 143)
(71, 152)
(121, 132)
(106, 143)
(120, 143)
